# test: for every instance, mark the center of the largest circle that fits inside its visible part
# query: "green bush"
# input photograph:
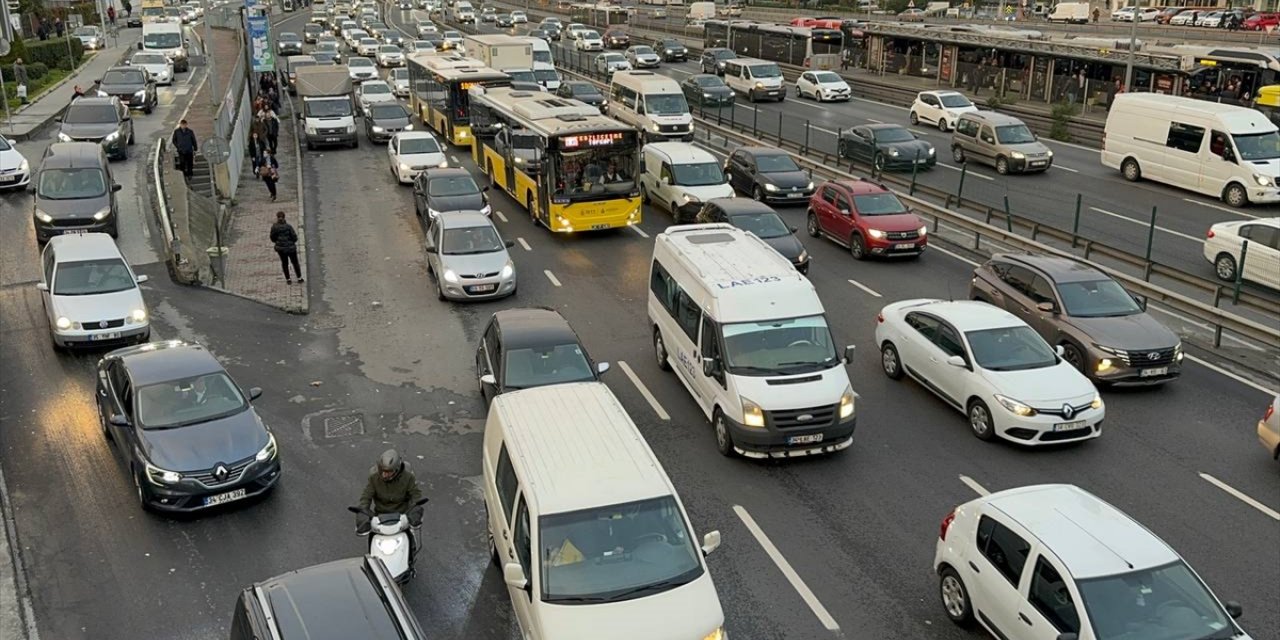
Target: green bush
(37, 70)
(51, 53)
(1062, 114)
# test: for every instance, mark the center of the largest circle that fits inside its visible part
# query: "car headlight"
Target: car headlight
(140, 93)
(377, 129)
(876, 233)
(752, 414)
(923, 230)
(444, 164)
(804, 256)
(102, 94)
(1104, 365)
(309, 130)
(759, 85)
(508, 270)
(1264, 181)
(62, 137)
(847, 403)
(706, 95)
(111, 136)
(1017, 155)
(932, 151)
(716, 634)
(1049, 152)
(433, 213)
(519, 160)
(44, 217)
(408, 127)
(450, 276)
(63, 323)
(809, 187)
(894, 152)
(770, 187)
(102, 214)
(138, 315)
(402, 166)
(1177, 352)
(690, 198)
(25, 166)
(351, 128)
(269, 451)
(159, 476)
(1017, 408)
(1097, 402)
(485, 209)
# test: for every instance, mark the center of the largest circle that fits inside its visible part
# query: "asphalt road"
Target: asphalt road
(858, 528)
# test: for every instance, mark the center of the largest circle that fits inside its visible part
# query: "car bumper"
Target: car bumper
(1033, 165)
(771, 442)
(1270, 438)
(675, 57)
(1264, 195)
(647, 64)
(46, 230)
(900, 162)
(325, 139)
(189, 495)
(134, 102)
(835, 96)
(1042, 429)
(664, 136)
(465, 290)
(15, 179)
(392, 62)
(783, 197)
(113, 337)
(1119, 373)
(886, 247)
(773, 94)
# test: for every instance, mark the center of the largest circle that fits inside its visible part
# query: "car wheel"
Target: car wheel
(724, 441)
(493, 544)
(439, 288)
(106, 428)
(955, 597)
(1225, 267)
(355, 143)
(957, 154)
(757, 193)
(1002, 166)
(942, 125)
(644, 195)
(1072, 355)
(660, 350)
(890, 362)
(857, 247)
(1130, 170)
(915, 119)
(811, 225)
(1235, 195)
(980, 420)
(141, 497)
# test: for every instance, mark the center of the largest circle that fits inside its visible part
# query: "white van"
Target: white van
(755, 78)
(653, 103)
(746, 334)
(541, 51)
(702, 10)
(1077, 12)
(679, 177)
(586, 525)
(1219, 150)
(166, 38)
(463, 13)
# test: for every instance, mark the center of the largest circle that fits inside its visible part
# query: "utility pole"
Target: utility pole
(1133, 45)
(208, 59)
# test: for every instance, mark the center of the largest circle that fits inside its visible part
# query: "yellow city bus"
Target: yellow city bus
(439, 92)
(572, 168)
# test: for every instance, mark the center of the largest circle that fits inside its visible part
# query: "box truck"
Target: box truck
(327, 115)
(500, 51)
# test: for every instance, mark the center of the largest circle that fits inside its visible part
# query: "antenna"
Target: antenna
(950, 297)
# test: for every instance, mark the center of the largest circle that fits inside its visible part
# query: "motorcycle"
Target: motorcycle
(390, 540)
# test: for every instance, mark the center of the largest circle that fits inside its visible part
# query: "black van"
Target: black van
(340, 600)
(74, 191)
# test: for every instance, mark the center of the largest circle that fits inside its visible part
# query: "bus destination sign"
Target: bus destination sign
(591, 140)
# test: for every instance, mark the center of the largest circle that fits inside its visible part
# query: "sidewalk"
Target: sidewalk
(30, 119)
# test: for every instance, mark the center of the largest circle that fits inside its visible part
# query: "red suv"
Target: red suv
(1260, 21)
(866, 217)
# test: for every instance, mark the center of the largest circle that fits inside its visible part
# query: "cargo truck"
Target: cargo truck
(499, 51)
(327, 115)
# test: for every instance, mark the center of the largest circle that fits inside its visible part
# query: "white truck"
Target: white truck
(1077, 12)
(166, 38)
(500, 51)
(700, 11)
(327, 115)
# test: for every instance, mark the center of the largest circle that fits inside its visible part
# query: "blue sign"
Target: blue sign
(260, 51)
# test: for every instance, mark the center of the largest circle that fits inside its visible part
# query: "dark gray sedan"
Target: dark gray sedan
(768, 175)
(132, 85)
(707, 90)
(887, 146)
(385, 119)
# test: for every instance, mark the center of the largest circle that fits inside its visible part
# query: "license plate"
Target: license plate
(482, 288)
(1158, 371)
(332, 139)
(8, 178)
(599, 226)
(223, 498)
(1038, 163)
(74, 232)
(809, 439)
(795, 194)
(104, 336)
(1068, 426)
(904, 245)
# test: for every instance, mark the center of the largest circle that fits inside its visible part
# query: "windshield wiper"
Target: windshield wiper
(576, 599)
(663, 585)
(1222, 634)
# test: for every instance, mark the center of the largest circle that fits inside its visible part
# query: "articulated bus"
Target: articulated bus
(806, 47)
(572, 168)
(439, 92)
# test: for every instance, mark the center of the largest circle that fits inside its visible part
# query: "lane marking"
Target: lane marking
(639, 231)
(1272, 513)
(881, 104)
(864, 287)
(1221, 208)
(644, 391)
(1238, 378)
(1203, 325)
(874, 121)
(1146, 224)
(524, 244)
(1058, 166)
(972, 173)
(785, 567)
(934, 247)
(499, 214)
(973, 484)
(551, 277)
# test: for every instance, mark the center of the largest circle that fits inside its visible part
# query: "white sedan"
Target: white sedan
(822, 86)
(372, 92)
(412, 152)
(361, 69)
(519, 17)
(399, 79)
(607, 63)
(15, 170)
(389, 55)
(90, 294)
(589, 41)
(942, 108)
(368, 46)
(987, 363)
(158, 65)
(1223, 248)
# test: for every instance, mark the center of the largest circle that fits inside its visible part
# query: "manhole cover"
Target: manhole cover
(343, 426)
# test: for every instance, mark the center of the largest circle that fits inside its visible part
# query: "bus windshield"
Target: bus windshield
(666, 104)
(779, 347)
(595, 166)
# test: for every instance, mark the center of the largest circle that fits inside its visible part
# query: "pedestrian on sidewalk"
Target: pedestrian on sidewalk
(257, 151)
(111, 15)
(269, 171)
(59, 27)
(271, 123)
(286, 241)
(20, 77)
(184, 142)
(128, 8)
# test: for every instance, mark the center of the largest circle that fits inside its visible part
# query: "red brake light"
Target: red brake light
(1271, 408)
(946, 524)
(1209, 234)
(879, 318)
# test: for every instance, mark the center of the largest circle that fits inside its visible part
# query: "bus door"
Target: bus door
(502, 144)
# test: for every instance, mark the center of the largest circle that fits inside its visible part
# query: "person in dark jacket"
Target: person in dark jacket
(392, 488)
(285, 240)
(184, 142)
(269, 171)
(271, 123)
(257, 151)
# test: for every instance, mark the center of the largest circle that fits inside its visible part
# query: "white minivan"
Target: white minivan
(654, 103)
(587, 528)
(757, 79)
(748, 337)
(679, 177)
(1219, 150)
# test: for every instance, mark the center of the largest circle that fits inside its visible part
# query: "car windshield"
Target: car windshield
(671, 44)
(4, 144)
(463, 241)
(375, 88)
(546, 75)
(774, 163)
(1014, 134)
(388, 48)
(86, 31)
(665, 104)
(1164, 603)
(724, 54)
(188, 401)
(359, 62)
(452, 35)
(582, 89)
(826, 77)
(590, 35)
(452, 186)
(779, 347)
(364, 42)
(698, 175)
(765, 71)
(91, 277)
(540, 366)
(895, 134)
(709, 82)
(642, 50)
(765, 224)
(409, 146)
(1010, 349)
(1097, 299)
(616, 553)
(333, 108)
(72, 184)
(423, 45)
(149, 58)
(124, 77)
(399, 74)
(289, 37)
(165, 40)
(387, 111)
(1258, 146)
(878, 204)
(954, 101)
(522, 75)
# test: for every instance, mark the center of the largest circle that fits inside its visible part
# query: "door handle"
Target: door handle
(974, 567)
(504, 535)
(1024, 618)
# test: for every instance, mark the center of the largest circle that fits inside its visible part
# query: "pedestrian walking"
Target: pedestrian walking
(257, 151)
(59, 27)
(1096, 13)
(285, 240)
(128, 8)
(20, 77)
(272, 125)
(184, 142)
(111, 15)
(269, 171)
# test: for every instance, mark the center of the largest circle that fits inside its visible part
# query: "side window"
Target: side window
(968, 127)
(1184, 137)
(507, 483)
(1001, 269)
(48, 260)
(1219, 143)
(1006, 551)
(1042, 291)
(666, 174)
(829, 195)
(710, 341)
(688, 314)
(126, 398)
(524, 545)
(987, 135)
(663, 288)
(949, 341)
(491, 349)
(928, 327)
(1020, 279)
(842, 203)
(1050, 596)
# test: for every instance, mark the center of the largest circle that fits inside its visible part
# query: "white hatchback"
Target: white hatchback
(90, 293)
(987, 363)
(372, 92)
(1224, 244)
(589, 41)
(942, 108)
(1055, 562)
(822, 86)
(159, 67)
(412, 152)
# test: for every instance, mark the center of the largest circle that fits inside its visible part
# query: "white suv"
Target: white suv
(90, 294)
(1054, 562)
(942, 108)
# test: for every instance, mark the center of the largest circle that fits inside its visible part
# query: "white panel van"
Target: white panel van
(679, 177)
(654, 103)
(755, 78)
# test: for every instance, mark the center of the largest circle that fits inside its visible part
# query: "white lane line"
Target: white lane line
(454, 159)
(183, 90)
(644, 391)
(972, 173)
(1147, 224)
(874, 121)
(639, 231)
(881, 104)
(551, 277)
(1058, 166)
(687, 73)
(1203, 325)
(973, 484)
(827, 131)
(499, 214)
(1221, 208)
(864, 287)
(1238, 378)
(934, 247)
(747, 107)
(785, 567)
(1241, 496)
(524, 244)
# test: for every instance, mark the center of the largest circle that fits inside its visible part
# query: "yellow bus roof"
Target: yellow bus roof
(546, 114)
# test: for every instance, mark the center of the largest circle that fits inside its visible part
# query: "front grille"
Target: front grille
(72, 222)
(778, 381)
(234, 471)
(331, 132)
(1075, 411)
(103, 324)
(1154, 358)
(673, 128)
(903, 235)
(95, 140)
(478, 276)
(794, 418)
(1055, 436)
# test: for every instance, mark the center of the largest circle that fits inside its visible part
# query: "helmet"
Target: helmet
(390, 461)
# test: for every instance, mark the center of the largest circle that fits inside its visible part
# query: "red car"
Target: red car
(866, 217)
(1260, 21)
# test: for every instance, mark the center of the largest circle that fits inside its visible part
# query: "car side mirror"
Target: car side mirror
(119, 420)
(509, 243)
(116, 187)
(793, 229)
(127, 118)
(1234, 609)
(255, 393)
(848, 353)
(40, 286)
(957, 361)
(139, 46)
(484, 188)
(708, 367)
(1060, 350)
(1047, 307)
(844, 211)
(489, 379)
(141, 279)
(664, 180)
(58, 119)
(431, 248)
(1141, 300)
(513, 575)
(602, 367)
(299, 115)
(710, 542)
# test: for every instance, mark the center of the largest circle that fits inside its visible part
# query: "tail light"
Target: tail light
(1271, 408)
(879, 318)
(946, 524)
(1209, 234)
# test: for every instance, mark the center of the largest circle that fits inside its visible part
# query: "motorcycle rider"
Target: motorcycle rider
(392, 488)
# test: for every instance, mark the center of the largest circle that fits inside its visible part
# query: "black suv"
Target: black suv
(671, 50)
(760, 219)
(132, 85)
(105, 121)
(524, 348)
